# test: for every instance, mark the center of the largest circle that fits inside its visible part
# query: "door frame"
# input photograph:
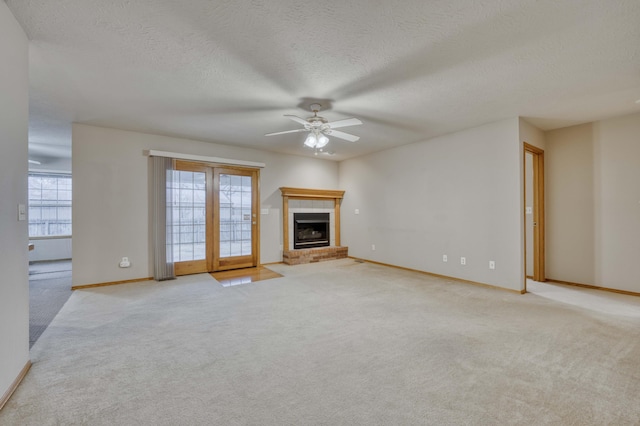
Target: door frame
(538, 212)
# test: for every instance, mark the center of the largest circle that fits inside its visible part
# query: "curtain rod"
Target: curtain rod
(155, 153)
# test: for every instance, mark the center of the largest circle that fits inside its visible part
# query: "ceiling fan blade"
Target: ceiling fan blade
(342, 135)
(297, 119)
(286, 131)
(344, 123)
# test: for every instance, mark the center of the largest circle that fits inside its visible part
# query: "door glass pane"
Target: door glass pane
(189, 217)
(235, 215)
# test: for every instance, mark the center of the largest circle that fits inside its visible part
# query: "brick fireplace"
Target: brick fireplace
(311, 207)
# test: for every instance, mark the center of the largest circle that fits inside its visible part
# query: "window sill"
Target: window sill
(50, 237)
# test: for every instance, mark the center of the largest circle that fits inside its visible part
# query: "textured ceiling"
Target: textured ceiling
(227, 70)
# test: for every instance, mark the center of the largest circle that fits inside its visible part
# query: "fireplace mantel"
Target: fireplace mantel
(309, 194)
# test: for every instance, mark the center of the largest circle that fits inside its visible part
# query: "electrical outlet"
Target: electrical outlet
(463, 260)
(124, 263)
(444, 258)
(492, 264)
(373, 247)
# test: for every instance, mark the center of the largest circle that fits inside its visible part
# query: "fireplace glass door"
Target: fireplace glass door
(311, 230)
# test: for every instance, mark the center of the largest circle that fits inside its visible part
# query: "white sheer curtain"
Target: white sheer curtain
(161, 193)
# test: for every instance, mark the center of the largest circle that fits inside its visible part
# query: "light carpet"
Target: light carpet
(334, 343)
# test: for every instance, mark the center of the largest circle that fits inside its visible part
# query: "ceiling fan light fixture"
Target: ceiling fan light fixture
(322, 141)
(311, 141)
(316, 140)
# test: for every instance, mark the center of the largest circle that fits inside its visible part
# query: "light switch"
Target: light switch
(529, 210)
(22, 212)
(264, 211)
(357, 211)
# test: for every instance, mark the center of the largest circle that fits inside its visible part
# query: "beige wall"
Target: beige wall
(570, 244)
(531, 134)
(459, 194)
(593, 175)
(111, 197)
(617, 202)
(14, 115)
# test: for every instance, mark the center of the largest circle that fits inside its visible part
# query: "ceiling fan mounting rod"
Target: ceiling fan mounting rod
(315, 108)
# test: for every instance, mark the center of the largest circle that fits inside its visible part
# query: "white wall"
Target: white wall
(14, 115)
(593, 214)
(111, 197)
(50, 248)
(459, 194)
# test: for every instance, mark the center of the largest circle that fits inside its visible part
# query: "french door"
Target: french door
(235, 219)
(215, 222)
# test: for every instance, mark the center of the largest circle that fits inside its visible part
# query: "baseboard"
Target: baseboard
(272, 263)
(15, 384)
(495, 287)
(85, 286)
(595, 287)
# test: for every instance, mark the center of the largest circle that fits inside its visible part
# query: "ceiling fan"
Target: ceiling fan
(319, 129)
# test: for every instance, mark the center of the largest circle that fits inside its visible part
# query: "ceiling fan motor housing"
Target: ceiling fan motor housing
(317, 123)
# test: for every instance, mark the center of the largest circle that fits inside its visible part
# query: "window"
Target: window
(235, 215)
(49, 204)
(189, 216)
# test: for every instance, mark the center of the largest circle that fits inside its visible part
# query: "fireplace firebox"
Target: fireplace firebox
(311, 230)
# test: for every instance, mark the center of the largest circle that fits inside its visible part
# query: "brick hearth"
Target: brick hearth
(313, 255)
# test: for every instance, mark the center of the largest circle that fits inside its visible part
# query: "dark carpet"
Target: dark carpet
(49, 290)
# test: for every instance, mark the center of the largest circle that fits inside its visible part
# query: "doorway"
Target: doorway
(534, 214)
(214, 217)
